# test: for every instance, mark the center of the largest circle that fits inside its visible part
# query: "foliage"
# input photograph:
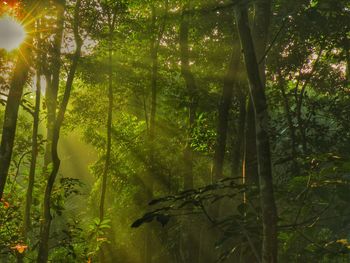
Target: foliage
(307, 89)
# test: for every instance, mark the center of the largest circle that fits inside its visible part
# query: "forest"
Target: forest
(175, 131)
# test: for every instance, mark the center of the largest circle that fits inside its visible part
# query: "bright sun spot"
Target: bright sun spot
(12, 33)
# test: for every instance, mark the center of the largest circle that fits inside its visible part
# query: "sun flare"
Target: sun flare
(12, 33)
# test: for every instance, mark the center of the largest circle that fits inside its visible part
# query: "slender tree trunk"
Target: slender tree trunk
(47, 218)
(301, 126)
(261, 22)
(157, 35)
(151, 136)
(238, 142)
(154, 91)
(109, 136)
(268, 206)
(250, 162)
(224, 112)
(260, 29)
(31, 179)
(347, 59)
(109, 129)
(289, 120)
(17, 84)
(189, 240)
(192, 92)
(52, 89)
(36, 115)
(145, 110)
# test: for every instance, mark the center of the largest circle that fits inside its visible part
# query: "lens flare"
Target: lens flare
(12, 33)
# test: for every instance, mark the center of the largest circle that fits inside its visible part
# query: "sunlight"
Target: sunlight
(12, 33)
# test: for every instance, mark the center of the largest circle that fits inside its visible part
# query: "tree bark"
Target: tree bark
(260, 29)
(259, 34)
(224, 112)
(261, 22)
(31, 178)
(53, 79)
(250, 162)
(238, 141)
(47, 218)
(111, 25)
(109, 121)
(347, 60)
(17, 84)
(257, 93)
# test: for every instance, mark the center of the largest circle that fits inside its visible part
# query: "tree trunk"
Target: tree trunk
(47, 218)
(347, 60)
(250, 162)
(109, 128)
(262, 15)
(238, 141)
(224, 112)
(261, 22)
(260, 27)
(289, 119)
(192, 95)
(31, 178)
(256, 88)
(189, 243)
(151, 136)
(54, 81)
(109, 134)
(157, 35)
(17, 84)
(154, 89)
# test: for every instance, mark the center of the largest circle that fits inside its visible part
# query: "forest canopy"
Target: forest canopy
(183, 131)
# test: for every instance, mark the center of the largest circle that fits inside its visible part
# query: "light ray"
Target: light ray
(23, 57)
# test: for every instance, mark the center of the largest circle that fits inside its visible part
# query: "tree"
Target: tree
(192, 94)
(52, 75)
(148, 102)
(34, 154)
(256, 88)
(231, 81)
(18, 81)
(47, 218)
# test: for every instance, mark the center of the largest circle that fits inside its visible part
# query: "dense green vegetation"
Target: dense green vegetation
(195, 131)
